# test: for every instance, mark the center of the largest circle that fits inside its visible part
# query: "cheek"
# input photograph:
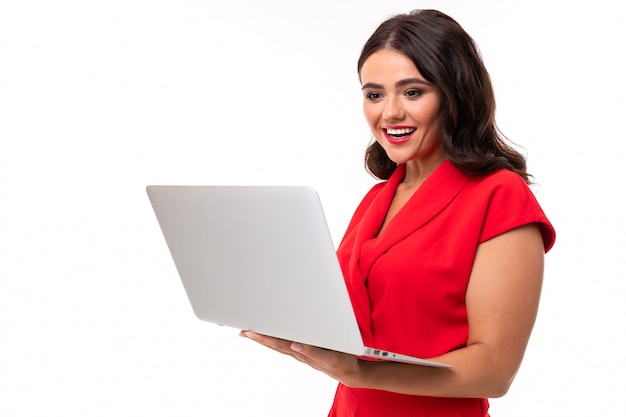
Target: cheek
(371, 116)
(427, 115)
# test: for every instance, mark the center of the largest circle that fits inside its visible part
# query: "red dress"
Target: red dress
(408, 285)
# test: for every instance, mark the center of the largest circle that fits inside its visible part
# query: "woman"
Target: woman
(444, 258)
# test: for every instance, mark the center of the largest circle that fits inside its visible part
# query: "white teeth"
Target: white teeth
(404, 131)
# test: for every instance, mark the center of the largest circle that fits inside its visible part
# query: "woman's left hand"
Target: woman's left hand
(343, 367)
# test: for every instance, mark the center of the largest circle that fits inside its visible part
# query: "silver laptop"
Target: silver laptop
(261, 258)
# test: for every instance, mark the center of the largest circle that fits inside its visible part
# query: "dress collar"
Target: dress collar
(437, 192)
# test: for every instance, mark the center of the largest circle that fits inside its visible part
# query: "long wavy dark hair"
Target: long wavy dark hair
(448, 57)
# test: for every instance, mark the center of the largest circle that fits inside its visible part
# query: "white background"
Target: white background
(100, 98)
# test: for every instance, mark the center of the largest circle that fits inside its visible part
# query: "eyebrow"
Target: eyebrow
(400, 83)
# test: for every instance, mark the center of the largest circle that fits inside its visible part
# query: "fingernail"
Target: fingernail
(298, 347)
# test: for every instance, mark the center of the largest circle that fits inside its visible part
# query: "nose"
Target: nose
(393, 109)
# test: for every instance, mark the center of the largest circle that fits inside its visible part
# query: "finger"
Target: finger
(297, 347)
(275, 343)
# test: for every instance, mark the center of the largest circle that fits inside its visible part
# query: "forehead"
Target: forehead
(388, 64)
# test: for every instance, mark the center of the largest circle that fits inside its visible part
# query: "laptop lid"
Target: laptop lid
(259, 258)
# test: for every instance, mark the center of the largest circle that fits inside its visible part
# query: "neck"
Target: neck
(418, 170)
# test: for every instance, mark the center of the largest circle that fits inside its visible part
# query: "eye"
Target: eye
(414, 93)
(373, 96)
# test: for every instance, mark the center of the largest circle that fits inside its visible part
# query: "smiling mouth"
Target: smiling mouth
(398, 135)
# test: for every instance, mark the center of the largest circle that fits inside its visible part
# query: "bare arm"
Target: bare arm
(502, 301)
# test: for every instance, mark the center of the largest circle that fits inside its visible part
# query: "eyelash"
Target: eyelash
(414, 93)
